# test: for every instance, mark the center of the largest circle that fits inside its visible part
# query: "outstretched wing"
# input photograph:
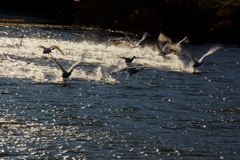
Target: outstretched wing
(59, 66)
(128, 38)
(164, 38)
(191, 57)
(108, 42)
(164, 48)
(143, 37)
(123, 58)
(131, 71)
(41, 47)
(211, 50)
(175, 47)
(184, 40)
(117, 39)
(57, 48)
(76, 63)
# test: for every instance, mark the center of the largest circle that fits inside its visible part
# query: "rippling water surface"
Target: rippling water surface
(162, 112)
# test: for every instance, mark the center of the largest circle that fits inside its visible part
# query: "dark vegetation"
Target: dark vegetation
(202, 20)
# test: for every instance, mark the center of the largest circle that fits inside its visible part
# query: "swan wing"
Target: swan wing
(165, 47)
(123, 58)
(128, 37)
(109, 40)
(184, 40)
(41, 47)
(191, 57)
(76, 63)
(164, 38)
(57, 48)
(210, 51)
(175, 47)
(143, 37)
(59, 66)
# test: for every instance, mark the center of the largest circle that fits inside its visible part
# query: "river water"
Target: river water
(162, 112)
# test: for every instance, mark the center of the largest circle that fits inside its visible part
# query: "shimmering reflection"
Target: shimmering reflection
(164, 112)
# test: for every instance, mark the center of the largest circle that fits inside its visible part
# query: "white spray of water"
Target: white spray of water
(28, 61)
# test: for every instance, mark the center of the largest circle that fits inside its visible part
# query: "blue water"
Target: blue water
(162, 112)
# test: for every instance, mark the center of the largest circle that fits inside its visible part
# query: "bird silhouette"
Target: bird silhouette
(198, 63)
(114, 40)
(128, 60)
(133, 70)
(162, 50)
(67, 73)
(136, 44)
(48, 50)
(174, 46)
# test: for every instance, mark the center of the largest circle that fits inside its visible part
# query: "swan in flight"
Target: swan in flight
(47, 50)
(128, 60)
(67, 73)
(136, 44)
(114, 40)
(163, 50)
(198, 63)
(175, 46)
(133, 70)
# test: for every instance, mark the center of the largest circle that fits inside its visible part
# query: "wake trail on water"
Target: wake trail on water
(20, 58)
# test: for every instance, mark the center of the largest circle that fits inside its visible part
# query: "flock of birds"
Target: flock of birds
(164, 44)
(65, 73)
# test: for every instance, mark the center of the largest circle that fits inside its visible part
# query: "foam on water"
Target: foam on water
(23, 59)
(146, 116)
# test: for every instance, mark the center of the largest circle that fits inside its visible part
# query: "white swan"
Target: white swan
(136, 44)
(175, 46)
(67, 73)
(163, 50)
(198, 63)
(116, 39)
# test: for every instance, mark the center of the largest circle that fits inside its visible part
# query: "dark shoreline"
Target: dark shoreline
(202, 22)
(9, 16)
(61, 21)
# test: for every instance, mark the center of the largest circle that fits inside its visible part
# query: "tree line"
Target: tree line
(202, 20)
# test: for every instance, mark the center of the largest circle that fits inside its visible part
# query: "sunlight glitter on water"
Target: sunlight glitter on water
(164, 111)
(26, 61)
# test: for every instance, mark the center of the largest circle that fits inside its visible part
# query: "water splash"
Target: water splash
(27, 61)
